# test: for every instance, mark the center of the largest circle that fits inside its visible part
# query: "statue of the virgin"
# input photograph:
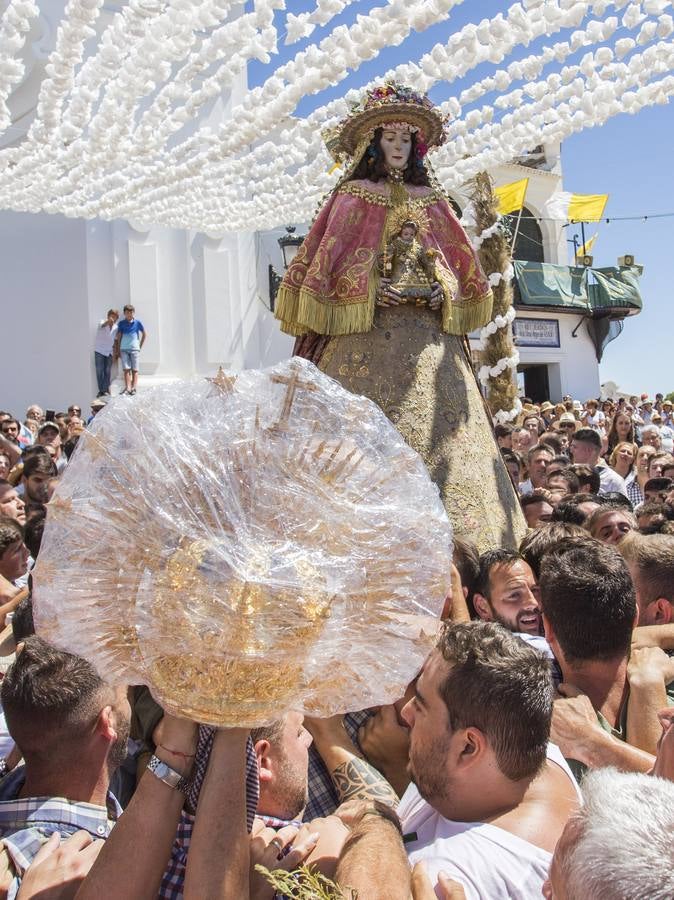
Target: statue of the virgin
(349, 304)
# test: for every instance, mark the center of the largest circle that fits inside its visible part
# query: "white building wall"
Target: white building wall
(45, 311)
(572, 368)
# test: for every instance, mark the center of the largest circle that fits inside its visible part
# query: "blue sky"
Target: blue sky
(629, 158)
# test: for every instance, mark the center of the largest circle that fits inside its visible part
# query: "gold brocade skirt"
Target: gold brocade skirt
(423, 381)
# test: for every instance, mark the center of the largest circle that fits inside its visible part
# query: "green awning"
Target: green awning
(544, 284)
(615, 291)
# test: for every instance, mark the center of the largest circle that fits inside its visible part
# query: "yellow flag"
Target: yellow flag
(511, 196)
(587, 246)
(587, 207)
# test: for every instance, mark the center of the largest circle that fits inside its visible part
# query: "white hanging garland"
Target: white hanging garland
(506, 362)
(302, 25)
(318, 159)
(498, 322)
(502, 416)
(14, 27)
(90, 152)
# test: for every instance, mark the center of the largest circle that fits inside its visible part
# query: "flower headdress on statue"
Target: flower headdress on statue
(393, 106)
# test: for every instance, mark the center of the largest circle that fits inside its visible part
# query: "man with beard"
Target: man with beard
(72, 729)
(490, 797)
(277, 790)
(282, 751)
(505, 592)
(39, 478)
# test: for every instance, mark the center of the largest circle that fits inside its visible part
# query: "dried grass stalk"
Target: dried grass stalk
(305, 884)
(495, 255)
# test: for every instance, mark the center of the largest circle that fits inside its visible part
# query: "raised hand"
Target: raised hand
(60, 867)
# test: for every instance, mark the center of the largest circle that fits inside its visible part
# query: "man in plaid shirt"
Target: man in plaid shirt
(72, 729)
(276, 785)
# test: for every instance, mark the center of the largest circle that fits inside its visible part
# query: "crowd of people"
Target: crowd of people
(621, 455)
(533, 754)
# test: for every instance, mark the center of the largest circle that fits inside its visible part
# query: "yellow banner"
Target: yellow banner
(587, 246)
(587, 207)
(511, 196)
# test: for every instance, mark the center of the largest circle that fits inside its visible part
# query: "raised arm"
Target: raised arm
(352, 775)
(218, 859)
(579, 736)
(648, 672)
(373, 862)
(135, 856)
(10, 597)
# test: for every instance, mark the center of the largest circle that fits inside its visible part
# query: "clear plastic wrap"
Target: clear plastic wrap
(244, 545)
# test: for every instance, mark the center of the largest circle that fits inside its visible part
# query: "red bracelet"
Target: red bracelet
(177, 752)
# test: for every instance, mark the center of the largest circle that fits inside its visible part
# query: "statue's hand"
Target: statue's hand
(388, 295)
(437, 296)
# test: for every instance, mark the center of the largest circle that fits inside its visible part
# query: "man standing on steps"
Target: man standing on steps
(130, 338)
(103, 349)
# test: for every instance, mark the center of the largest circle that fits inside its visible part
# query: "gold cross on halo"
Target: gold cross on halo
(222, 383)
(293, 381)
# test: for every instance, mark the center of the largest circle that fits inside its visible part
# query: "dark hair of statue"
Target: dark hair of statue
(372, 165)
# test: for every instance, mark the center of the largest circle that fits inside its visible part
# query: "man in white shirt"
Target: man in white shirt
(585, 450)
(538, 460)
(666, 433)
(646, 410)
(106, 332)
(485, 805)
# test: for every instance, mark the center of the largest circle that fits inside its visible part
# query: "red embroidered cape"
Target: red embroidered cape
(331, 284)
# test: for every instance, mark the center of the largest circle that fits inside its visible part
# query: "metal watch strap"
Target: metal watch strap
(169, 776)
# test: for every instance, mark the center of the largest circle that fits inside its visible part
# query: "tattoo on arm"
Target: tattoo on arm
(358, 780)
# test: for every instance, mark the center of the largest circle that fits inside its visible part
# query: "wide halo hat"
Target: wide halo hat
(387, 104)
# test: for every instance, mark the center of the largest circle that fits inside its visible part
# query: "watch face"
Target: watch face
(164, 772)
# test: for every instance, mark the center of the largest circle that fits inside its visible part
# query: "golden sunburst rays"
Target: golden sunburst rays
(408, 212)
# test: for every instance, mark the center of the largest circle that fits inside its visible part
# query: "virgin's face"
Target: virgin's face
(396, 147)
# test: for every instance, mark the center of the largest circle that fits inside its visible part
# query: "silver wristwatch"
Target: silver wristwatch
(168, 775)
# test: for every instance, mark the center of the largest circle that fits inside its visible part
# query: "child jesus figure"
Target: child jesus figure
(408, 271)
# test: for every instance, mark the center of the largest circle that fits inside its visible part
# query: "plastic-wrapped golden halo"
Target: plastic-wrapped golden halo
(262, 542)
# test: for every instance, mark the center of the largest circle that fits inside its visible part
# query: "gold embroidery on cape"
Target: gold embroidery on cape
(347, 281)
(357, 190)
